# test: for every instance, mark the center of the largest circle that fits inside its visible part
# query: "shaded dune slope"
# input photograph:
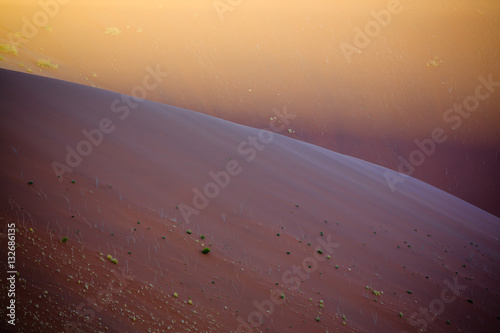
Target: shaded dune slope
(131, 196)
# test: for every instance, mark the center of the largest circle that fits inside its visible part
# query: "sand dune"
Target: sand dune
(372, 105)
(270, 205)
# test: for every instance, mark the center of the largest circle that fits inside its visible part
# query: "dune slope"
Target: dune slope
(301, 238)
(372, 103)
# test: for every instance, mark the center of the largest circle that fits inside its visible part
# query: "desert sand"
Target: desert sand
(384, 255)
(258, 137)
(241, 61)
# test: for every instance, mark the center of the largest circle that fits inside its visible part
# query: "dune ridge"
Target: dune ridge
(266, 227)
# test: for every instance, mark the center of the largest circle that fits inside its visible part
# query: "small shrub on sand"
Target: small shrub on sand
(113, 260)
(8, 48)
(205, 250)
(64, 239)
(46, 63)
(113, 31)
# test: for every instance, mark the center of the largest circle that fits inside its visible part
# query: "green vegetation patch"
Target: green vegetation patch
(113, 260)
(46, 63)
(113, 31)
(8, 48)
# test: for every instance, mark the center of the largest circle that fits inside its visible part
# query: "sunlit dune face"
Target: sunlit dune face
(354, 73)
(263, 55)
